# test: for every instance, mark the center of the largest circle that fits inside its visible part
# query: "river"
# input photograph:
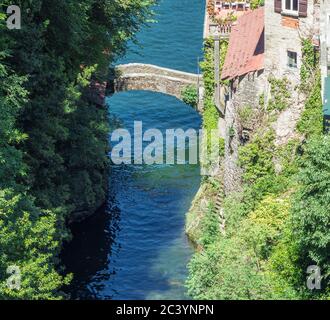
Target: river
(136, 247)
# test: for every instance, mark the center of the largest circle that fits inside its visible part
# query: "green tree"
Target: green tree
(312, 206)
(53, 138)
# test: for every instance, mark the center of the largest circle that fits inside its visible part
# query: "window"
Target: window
(292, 59)
(290, 6)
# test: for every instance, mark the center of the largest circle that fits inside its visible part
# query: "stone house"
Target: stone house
(244, 69)
(286, 23)
(266, 42)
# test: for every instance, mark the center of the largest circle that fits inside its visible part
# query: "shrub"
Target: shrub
(190, 96)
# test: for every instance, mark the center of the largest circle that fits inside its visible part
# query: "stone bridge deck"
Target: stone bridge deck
(138, 76)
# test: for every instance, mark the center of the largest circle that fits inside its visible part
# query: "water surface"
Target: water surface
(136, 247)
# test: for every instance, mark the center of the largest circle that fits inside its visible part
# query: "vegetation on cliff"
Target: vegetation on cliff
(278, 226)
(53, 139)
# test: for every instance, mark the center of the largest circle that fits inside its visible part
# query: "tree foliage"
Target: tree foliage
(53, 138)
(312, 206)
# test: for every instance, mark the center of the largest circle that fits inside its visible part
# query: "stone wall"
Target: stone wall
(150, 82)
(282, 34)
(246, 91)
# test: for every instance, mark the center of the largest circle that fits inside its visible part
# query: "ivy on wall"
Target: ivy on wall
(210, 112)
(280, 94)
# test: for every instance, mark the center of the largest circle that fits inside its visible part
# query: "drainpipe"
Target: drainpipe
(217, 69)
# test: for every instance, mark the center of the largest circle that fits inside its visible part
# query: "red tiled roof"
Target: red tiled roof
(246, 46)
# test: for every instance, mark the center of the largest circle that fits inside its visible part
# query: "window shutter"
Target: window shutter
(278, 6)
(303, 5)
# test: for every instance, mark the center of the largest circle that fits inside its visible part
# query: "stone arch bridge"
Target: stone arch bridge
(138, 76)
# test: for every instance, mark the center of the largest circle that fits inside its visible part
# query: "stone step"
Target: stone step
(220, 212)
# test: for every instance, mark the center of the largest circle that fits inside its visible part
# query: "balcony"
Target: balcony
(222, 15)
(232, 5)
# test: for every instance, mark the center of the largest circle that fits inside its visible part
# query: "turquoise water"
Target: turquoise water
(136, 247)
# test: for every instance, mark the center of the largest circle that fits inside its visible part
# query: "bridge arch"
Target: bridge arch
(138, 76)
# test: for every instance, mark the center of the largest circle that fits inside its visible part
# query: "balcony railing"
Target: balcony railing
(233, 5)
(223, 31)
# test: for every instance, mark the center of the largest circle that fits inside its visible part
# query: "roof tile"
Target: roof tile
(246, 46)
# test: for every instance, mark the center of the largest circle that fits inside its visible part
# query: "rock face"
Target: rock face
(138, 76)
(232, 170)
(286, 124)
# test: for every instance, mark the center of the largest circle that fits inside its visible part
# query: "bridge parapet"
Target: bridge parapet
(152, 69)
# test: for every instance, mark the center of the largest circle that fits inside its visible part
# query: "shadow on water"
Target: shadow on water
(90, 251)
(96, 246)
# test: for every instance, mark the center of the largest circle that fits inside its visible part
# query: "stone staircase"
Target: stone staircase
(218, 209)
